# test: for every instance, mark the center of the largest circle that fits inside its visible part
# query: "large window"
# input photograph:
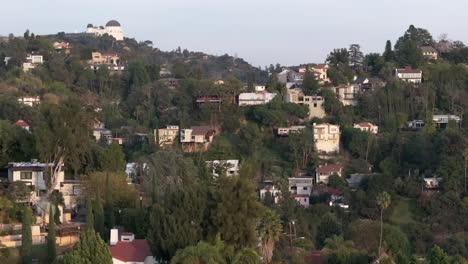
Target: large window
(26, 175)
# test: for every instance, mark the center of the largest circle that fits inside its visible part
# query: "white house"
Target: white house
(301, 189)
(285, 131)
(112, 28)
(272, 190)
(432, 182)
(327, 138)
(32, 174)
(227, 167)
(32, 60)
(347, 93)
(429, 53)
(103, 133)
(323, 172)
(367, 127)
(409, 75)
(257, 98)
(128, 250)
(29, 100)
(443, 120)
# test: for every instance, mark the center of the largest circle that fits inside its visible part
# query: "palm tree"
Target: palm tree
(269, 231)
(383, 201)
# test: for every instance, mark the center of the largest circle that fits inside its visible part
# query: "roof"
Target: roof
(201, 130)
(135, 251)
(428, 49)
(334, 191)
(113, 23)
(408, 70)
(329, 168)
(22, 123)
(364, 124)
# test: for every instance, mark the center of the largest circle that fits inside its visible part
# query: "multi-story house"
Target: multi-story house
(110, 60)
(429, 53)
(327, 138)
(223, 167)
(367, 127)
(320, 71)
(269, 188)
(196, 138)
(441, 121)
(260, 97)
(313, 102)
(32, 60)
(323, 172)
(166, 136)
(301, 189)
(347, 93)
(409, 75)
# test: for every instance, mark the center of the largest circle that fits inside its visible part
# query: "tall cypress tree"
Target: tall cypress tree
(388, 53)
(109, 206)
(89, 215)
(51, 247)
(98, 214)
(26, 238)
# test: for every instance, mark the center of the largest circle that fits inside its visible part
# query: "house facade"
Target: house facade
(409, 75)
(347, 93)
(223, 167)
(32, 60)
(270, 189)
(301, 189)
(313, 102)
(429, 53)
(367, 127)
(327, 138)
(257, 98)
(285, 131)
(196, 138)
(323, 172)
(29, 100)
(320, 71)
(166, 136)
(442, 121)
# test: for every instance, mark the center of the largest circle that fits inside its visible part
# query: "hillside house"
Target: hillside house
(327, 138)
(323, 172)
(416, 124)
(347, 93)
(223, 167)
(301, 189)
(21, 123)
(442, 121)
(32, 174)
(409, 75)
(209, 101)
(289, 76)
(29, 100)
(368, 84)
(313, 102)
(112, 28)
(61, 46)
(166, 136)
(196, 138)
(367, 127)
(432, 183)
(429, 53)
(285, 131)
(103, 134)
(320, 71)
(270, 189)
(32, 61)
(257, 98)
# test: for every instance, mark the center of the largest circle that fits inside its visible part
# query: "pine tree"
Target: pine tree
(109, 206)
(89, 215)
(98, 214)
(388, 53)
(356, 57)
(26, 238)
(51, 247)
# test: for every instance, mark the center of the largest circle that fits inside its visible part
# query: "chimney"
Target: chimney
(127, 237)
(34, 161)
(114, 237)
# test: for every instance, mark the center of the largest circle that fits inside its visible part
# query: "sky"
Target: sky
(262, 32)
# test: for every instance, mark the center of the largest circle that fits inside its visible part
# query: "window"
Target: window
(76, 190)
(26, 175)
(315, 104)
(304, 188)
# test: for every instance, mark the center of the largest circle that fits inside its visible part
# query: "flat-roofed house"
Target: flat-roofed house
(313, 102)
(409, 75)
(196, 138)
(327, 138)
(166, 136)
(301, 189)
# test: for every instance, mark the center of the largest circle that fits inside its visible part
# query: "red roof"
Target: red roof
(135, 251)
(21, 123)
(365, 124)
(329, 168)
(334, 191)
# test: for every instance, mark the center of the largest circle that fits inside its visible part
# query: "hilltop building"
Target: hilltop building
(112, 28)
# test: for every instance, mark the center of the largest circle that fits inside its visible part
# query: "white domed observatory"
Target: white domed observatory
(112, 28)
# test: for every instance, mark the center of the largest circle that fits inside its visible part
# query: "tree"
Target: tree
(123, 194)
(436, 255)
(342, 251)
(327, 228)
(383, 201)
(338, 56)
(112, 158)
(310, 84)
(236, 212)
(109, 206)
(51, 247)
(269, 232)
(98, 214)
(63, 137)
(388, 53)
(26, 236)
(201, 253)
(302, 149)
(89, 214)
(356, 57)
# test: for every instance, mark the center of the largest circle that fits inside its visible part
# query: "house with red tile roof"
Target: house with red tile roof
(409, 75)
(323, 172)
(21, 123)
(367, 127)
(129, 250)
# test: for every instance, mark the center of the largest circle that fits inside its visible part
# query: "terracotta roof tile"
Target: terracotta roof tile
(135, 251)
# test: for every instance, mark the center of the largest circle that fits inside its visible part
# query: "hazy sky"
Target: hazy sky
(260, 31)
